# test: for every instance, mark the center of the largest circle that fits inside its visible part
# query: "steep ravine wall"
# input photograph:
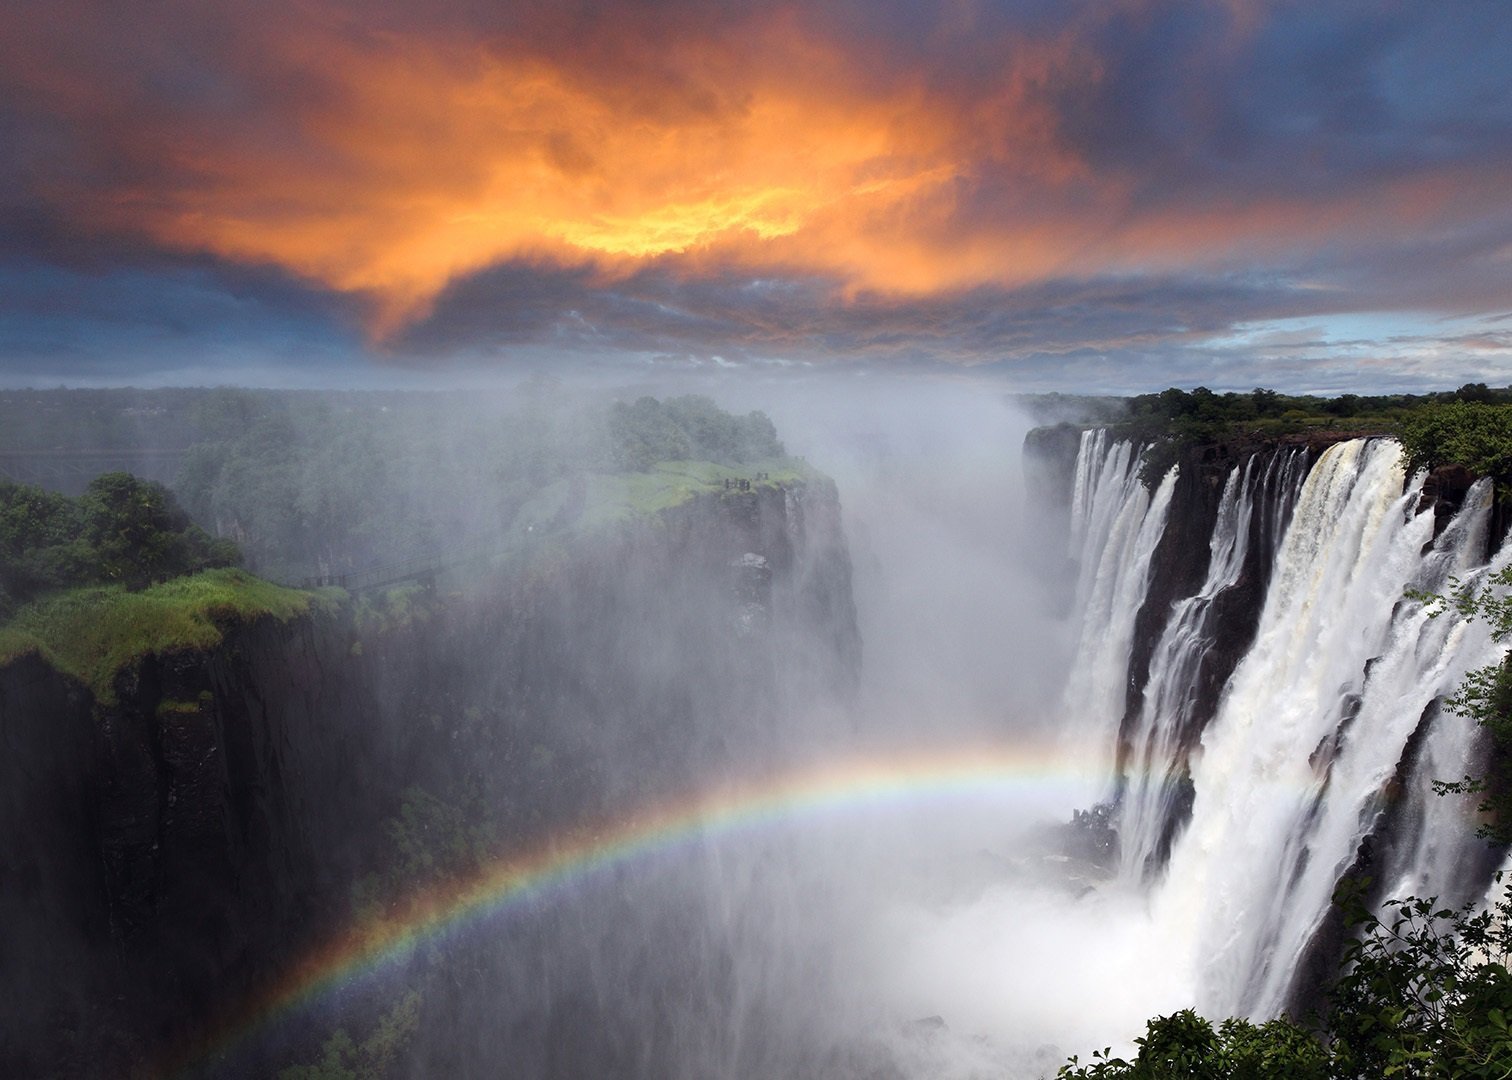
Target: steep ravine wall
(163, 855)
(1180, 560)
(1376, 819)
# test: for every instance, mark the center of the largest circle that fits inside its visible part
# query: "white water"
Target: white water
(1115, 528)
(1156, 755)
(1161, 733)
(1294, 770)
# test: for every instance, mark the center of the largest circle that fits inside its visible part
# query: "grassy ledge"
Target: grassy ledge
(599, 500)
(92, 633)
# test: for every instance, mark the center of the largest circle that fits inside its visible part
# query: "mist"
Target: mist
(745, 727)
(937, 932)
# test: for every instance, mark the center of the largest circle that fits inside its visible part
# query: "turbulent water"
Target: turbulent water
(1326, 735)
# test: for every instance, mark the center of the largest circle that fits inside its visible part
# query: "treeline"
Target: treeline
(312, 487)
(1469, 427)
(311, 484)
(122, 531)
(689, 428)
(1202, 413)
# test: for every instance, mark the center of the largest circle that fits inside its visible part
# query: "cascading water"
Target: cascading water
(1115, 527)
(1155, 763)
(1330, 714)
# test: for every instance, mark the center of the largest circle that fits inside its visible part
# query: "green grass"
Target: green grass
(95, 632)
(600, 500)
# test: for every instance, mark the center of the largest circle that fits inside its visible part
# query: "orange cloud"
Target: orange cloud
(433, 159)
(387, 160)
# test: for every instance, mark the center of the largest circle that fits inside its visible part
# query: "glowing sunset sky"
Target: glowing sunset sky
(1117, 194)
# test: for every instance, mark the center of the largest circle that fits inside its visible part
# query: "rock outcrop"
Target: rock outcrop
(163, 855)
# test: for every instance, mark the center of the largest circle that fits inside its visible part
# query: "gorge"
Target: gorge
(772, 780)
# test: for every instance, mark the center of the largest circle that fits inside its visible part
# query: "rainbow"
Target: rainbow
(522, 880)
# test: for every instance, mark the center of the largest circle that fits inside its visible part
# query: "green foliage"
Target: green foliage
(121, 530)
(685, 428)
(1423, 994)
(135, 533)
(431, 838)
(38, 549)
(1485, 697)
(94, 632)
(323, 486)
(341, 1058)
(1472, 433)
(1184, 1045)
(1471, 426)
(599, 500)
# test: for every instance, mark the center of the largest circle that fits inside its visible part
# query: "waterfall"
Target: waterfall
(1115, 527)
(1327, 734)
(1255, 498)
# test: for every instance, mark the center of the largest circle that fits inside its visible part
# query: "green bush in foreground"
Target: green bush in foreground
(1424, 994)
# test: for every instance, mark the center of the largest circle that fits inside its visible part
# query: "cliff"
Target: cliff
(171, 844)
(1368, 688)
(1272, 468)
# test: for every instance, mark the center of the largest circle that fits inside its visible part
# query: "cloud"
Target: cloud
(965, 180)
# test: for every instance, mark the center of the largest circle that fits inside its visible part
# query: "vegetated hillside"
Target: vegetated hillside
(290, 475)
(318, 485)
(1466, 431)
(310, 491)
(208, 775)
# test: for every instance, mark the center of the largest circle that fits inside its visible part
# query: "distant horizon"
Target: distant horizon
(709, 383)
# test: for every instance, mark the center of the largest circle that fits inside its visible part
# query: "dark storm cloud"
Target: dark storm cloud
(985, 183)
(736, 317)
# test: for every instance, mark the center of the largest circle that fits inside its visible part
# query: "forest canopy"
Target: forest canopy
(319, 485)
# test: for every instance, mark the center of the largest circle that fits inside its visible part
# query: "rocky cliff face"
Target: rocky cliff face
(1193, 629)
(161, 856)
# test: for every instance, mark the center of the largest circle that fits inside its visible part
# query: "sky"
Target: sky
(1079, 195)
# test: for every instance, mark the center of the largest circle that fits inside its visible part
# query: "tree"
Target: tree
(136, 534)
(1485, 697)
(1185, 1046)
(688, 427)
(644, 433)
(1425, 992)
(38, 530)
(1473, 434)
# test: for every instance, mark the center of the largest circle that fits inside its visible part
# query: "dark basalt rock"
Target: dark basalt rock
(163, 856)
(1179, 568)
(1050, 463)
(1443, 492)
